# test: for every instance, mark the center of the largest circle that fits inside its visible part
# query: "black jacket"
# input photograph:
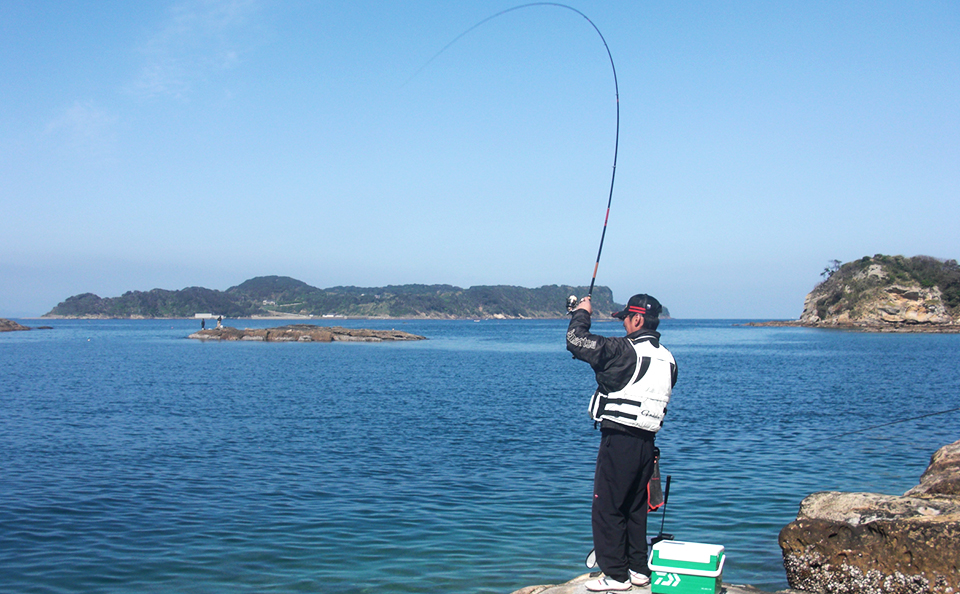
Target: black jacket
(612, 358)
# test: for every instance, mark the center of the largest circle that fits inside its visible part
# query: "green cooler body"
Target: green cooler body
(686, 568)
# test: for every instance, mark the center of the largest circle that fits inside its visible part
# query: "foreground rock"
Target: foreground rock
(869, 543)
(304, 333)
(575, 586)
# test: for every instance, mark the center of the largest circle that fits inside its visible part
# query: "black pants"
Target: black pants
(619, 515)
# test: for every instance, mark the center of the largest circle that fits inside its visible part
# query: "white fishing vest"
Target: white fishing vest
(642, 403)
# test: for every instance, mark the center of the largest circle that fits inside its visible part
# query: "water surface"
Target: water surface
(135, 460)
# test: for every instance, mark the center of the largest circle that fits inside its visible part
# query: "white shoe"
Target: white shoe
(638, 579)
(606, 584)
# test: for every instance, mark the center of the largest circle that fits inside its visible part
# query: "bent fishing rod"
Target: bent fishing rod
(616, 86)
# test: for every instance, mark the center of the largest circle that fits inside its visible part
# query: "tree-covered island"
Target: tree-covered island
(281, 296)
(885, 294)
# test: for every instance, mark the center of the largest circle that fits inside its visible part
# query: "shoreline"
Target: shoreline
(311, 318)
(575, 586)
(738, 322)
(890, 329)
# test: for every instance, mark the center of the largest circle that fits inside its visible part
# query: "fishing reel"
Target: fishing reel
(572, 303)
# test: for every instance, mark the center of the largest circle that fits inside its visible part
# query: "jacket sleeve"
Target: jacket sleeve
(596, 350)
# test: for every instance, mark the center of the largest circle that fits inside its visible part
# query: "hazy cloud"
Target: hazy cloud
(200, 38)
(85, 129)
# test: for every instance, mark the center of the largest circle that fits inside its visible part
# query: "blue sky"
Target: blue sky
(201, 143)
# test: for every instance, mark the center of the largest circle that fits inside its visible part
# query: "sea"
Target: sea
(133, 459)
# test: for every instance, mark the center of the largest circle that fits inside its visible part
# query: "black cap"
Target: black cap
(640, 304)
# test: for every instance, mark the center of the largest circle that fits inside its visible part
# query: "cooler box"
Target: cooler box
(686, 567)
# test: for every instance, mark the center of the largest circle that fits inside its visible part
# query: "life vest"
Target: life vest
(642, 403)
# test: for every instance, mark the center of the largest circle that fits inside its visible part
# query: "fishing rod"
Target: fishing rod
(616, 143)
(933, 414)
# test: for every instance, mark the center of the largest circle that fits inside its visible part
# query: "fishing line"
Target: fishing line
(933, 414)
(616, 86)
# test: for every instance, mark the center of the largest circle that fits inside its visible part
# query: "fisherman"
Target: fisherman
(635, 376)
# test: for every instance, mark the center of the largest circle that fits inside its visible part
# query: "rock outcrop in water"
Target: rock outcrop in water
(304, 333)
(11, 326)
(867, 543)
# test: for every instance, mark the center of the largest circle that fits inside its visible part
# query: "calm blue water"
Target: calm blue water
(134, 460)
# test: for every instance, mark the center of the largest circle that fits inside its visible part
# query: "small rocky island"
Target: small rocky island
(884, 294)
(304, 333)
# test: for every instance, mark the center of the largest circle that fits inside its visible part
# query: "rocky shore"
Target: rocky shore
(304, 333)
(863, 543)
(576, 586)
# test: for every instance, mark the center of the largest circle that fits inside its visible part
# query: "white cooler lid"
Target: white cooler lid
(692, 552)
(666, 552)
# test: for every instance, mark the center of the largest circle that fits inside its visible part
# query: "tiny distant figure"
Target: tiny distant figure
(219, 321)
(203, 323)
(635, 377)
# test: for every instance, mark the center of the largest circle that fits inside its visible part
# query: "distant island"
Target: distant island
(885, 294)
(282, 296)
